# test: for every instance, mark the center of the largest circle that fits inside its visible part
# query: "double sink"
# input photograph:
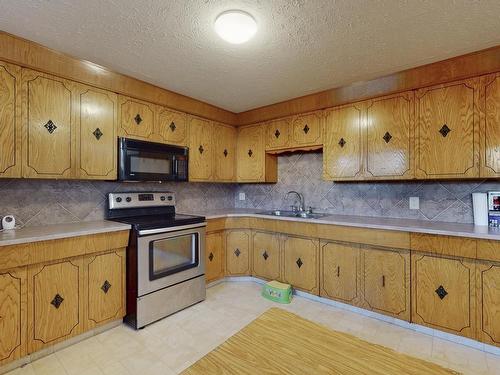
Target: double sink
(298, 214)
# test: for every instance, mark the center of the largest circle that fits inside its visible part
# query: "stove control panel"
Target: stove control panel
(140, 199)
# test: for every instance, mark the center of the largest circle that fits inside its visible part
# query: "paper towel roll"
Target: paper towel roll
(480, 206)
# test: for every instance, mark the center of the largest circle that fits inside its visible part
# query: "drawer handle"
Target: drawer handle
(201, 149)
(342, 142)
(211, 257)
(56, 302)
(97, 133)
(383, 281)
(172, 126)
(299, 262)
(265, 255)
(338, 271)
(237, 252)
(250, 153)
(138, 119)
(225, 153)
(277, 133)
(444, 130)
(441, 292)
(387, 137)
(50, 126)
(105, 287)
(306, 129)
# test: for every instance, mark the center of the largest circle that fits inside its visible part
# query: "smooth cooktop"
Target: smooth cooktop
(160, 221)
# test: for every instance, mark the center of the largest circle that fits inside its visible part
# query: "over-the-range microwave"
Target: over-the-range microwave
(150, 161)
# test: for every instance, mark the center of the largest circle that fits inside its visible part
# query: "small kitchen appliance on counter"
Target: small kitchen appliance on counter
(165, 255)
(8, 222)
(494, 209)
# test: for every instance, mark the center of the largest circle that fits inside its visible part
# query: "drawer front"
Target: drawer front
(444, 245)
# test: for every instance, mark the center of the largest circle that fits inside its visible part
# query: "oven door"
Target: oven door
(169, 256)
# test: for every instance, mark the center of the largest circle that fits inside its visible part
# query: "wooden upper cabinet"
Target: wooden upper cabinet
(201, 152)
(136, 118)
(225, 152)
(49, 119)
(12, 315)
(490, 126)
(172, 127)
(343, 149)
(389, 137)
(447, 131)
(10, 116)
(307, 130)
(252, 163)
(278, 134)
(488, 302)
(97, 135)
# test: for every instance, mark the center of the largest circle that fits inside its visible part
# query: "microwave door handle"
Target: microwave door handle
(175, 170)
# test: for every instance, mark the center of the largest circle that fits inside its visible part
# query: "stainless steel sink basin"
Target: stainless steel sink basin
(301, 214)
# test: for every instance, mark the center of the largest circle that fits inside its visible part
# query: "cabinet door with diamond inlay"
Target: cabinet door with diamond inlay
(389, 137)
(136, 119)
(301, 263)
(12, 315)
(266, 256)
(201, 149)
(278, 134)
(48, 117)
(238, 252)
(488, 302)
(443, 294)
(214, 261)
(97, 136)
(225, 152)
(105, 285)
(447, 131)
(55, 302)
(172, 127)
(307, 130)
(343, 147)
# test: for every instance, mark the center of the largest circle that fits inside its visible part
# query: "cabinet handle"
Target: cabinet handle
(383, 281)
(97, 133)
(265, 255)
(237, 252)
(306, 129)
(441, 292)
(444, 130)
(338, 271)
(211, 257)
(387, 137)
(277, 133)
(201, 149)
(138, 119)
(105, 287)
(225, 153)
(342, 142)
(299, 262)
(250, 153)
(56, 302)
(172, 126)
(50, 126)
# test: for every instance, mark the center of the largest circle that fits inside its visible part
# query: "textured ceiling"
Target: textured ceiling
(302, 46)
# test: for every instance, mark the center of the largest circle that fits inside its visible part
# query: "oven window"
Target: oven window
(171, 255)
(140, 164)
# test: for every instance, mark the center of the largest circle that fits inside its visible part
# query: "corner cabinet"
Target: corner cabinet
(447, 130)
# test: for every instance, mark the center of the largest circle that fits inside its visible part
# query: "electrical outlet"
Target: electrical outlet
(241, 196)
(414, 203)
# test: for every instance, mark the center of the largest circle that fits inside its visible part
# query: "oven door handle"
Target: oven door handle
(171, 229)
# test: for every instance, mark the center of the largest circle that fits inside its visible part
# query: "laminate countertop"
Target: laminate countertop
(404, 225)
(57, 231)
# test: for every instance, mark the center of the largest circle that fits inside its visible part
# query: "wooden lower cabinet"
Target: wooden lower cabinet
(214, 256)
(488, 302)
(238, 252)
(55, 302)
(444, 294)
(340, 272)
(386, 281)
(12, 314)
(266, 255)
(105, 286)
(301, 263)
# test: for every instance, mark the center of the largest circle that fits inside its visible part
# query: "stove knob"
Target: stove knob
(128, 199)
(119, 199)
(170, 198)
(162, 198)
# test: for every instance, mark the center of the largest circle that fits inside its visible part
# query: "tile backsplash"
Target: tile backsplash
(449, 201)
(38, 202)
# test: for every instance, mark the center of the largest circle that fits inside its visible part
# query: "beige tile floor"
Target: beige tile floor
(171, 345)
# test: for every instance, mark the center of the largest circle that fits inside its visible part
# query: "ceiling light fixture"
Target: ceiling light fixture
(235, 26)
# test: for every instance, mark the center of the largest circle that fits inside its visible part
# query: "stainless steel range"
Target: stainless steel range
(165, 256)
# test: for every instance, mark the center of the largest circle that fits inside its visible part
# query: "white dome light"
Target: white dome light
(235, 26)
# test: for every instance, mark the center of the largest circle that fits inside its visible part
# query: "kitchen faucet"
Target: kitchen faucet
(302, 206)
